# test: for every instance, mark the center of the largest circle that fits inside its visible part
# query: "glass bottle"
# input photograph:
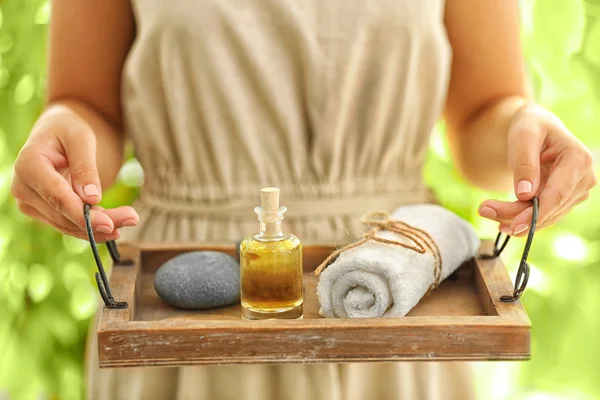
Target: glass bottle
(271, 265)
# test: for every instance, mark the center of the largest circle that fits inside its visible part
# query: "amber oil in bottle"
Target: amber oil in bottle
(271, 265)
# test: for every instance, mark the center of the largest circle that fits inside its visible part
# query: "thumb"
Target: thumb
(526, 137)
(81, 155)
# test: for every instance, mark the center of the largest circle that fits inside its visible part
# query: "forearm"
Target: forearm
(110, 141)
(479, 145)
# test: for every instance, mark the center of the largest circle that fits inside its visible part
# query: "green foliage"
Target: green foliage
(47, 292)
(562, 48)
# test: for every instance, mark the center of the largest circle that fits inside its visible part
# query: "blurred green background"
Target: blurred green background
(47, 292)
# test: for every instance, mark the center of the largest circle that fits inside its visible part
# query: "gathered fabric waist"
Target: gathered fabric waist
(298, 207)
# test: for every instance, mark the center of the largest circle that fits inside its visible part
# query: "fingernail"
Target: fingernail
(506, 230)
(129, 222)
(520, 228)
(524, 187)
(488, 212)
(104, 229)
(91, 190)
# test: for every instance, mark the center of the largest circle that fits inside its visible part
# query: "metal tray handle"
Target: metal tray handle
(524, 268)
(101, 279)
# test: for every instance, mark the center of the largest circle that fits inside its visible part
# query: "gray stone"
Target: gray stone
(199, 280)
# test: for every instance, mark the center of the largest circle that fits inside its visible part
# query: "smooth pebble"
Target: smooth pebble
(199, 280)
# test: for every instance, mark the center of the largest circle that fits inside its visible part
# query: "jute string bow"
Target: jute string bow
(421, 242)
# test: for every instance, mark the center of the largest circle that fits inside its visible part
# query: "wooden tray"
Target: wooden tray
(462, 320)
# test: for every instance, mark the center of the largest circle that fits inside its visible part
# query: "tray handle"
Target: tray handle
(101, 279)
(524, 268)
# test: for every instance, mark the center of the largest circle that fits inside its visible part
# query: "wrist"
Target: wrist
(481, 144)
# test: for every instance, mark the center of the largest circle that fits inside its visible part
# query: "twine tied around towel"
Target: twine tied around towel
(381, 221)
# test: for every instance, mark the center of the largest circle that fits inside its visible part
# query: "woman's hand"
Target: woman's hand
(55, 173)
(549, 162)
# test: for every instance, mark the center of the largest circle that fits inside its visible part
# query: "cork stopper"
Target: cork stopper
(270, 213)
(269, 197)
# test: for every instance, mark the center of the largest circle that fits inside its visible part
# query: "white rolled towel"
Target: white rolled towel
(386, 280)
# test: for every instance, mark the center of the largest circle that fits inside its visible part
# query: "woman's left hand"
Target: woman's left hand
(547, 161)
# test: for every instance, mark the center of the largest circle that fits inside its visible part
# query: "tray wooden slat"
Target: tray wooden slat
(462, 320)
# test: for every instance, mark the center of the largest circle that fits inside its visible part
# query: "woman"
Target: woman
(331, 101)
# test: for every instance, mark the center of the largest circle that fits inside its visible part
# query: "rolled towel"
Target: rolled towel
(378, 279)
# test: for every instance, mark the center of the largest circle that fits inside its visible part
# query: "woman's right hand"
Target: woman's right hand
(56, 172)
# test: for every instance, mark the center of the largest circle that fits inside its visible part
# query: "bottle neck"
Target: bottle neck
(270, 222)
(271, 229)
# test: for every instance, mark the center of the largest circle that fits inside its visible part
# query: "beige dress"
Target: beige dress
(332, 101)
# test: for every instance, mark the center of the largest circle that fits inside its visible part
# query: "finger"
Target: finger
(507, 230)
(34, 213)
(52, 187)
(71, 230)
(549, 222)
(32, 198)
(561, 185)
(556, 192)
(522, 228)
(502, 211)
(566, 208)
(98, 237)
(522, 225)
(27, 198)
(81, 154)
(526, 137)
(123, 216)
